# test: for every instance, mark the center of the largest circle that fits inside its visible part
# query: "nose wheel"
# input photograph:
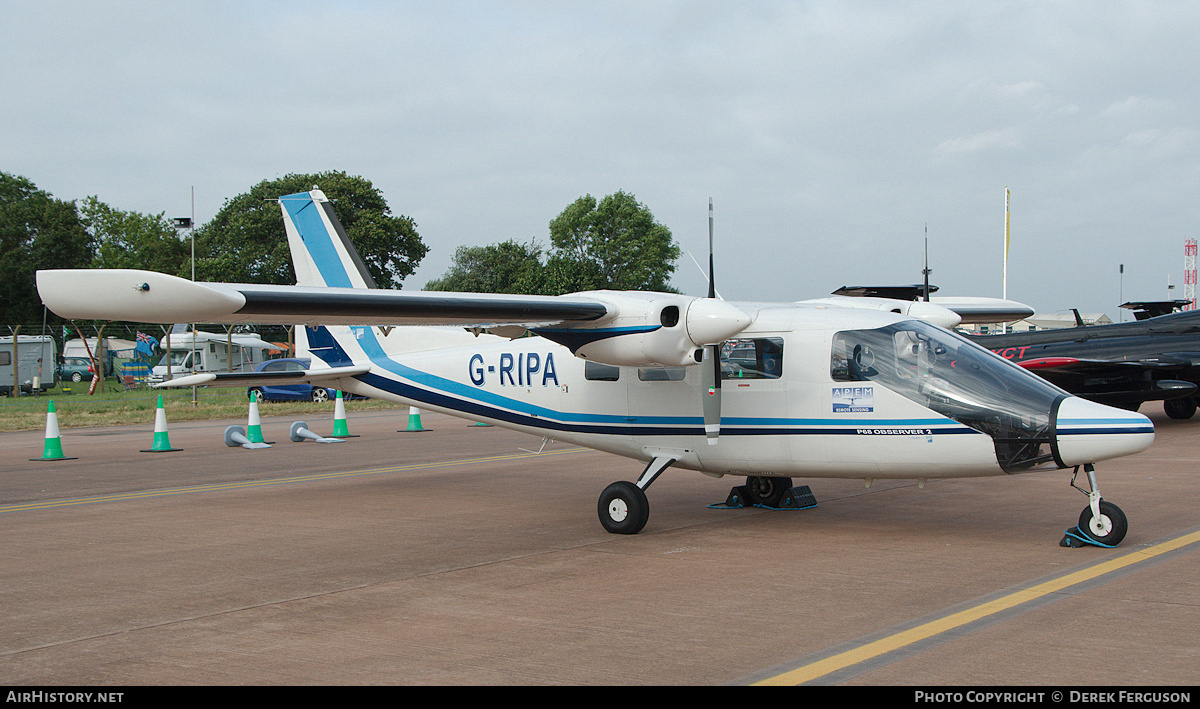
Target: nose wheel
(1108, 528)
(1101, 523)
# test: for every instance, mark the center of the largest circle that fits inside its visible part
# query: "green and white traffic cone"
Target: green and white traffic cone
(254, 425)
(162, 442)
(414, 421)
(53, 449)
(340, 427)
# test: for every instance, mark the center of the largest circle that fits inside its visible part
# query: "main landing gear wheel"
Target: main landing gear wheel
(1182, 408)
(1109, 529)
(623, 508)
(767, 491)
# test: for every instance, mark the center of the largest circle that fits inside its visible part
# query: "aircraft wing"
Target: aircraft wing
(623, 328)
(1119, 382)
(145, 296)
(970, 310)
(913, 292)
(316, 377)
(984, 310)
(1099, 367)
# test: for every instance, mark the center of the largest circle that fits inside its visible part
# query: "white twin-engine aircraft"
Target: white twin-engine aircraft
(836, 387)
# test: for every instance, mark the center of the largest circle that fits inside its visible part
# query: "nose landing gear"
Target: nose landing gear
(1101, 523)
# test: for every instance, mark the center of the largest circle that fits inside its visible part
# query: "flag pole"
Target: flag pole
(1006, 236)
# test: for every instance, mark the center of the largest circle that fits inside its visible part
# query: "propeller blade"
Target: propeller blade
(711, 369)
(712, 283)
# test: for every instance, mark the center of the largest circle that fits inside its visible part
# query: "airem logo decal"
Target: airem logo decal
(853, 400)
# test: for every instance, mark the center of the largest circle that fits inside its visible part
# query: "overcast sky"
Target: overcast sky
(830, 135)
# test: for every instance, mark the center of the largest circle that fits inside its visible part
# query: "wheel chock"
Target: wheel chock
(738, 498)
(300, 433)
(796, 498)
(1075, 538)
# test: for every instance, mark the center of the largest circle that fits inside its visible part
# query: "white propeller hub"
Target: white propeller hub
(710, 321)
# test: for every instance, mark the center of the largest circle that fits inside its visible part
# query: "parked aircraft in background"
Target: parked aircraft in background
(842, 388)
(1122, 364)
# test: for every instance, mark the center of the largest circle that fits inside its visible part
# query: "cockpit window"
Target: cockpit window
(958, 379)
(752, 358)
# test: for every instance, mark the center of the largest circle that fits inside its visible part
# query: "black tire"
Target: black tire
(76, 377)
(767, 491)
(1182, 408)
(320, 394)
(1113, 524)
(623, 508)
(255, 393)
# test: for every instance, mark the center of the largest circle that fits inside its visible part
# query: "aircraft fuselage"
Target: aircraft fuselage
(806, 418)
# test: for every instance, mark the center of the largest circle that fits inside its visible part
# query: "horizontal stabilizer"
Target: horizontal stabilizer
(240, 379)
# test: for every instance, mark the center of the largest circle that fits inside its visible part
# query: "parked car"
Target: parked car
(288, 392)
(75, 369)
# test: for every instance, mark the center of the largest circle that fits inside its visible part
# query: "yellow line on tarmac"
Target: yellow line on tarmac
(213, 487)
(928, 630)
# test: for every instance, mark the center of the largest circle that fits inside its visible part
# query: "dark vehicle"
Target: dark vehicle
(288, 392)
(1123, 364)
(75, 369)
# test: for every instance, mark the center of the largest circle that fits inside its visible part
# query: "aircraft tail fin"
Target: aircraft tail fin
(321, 251)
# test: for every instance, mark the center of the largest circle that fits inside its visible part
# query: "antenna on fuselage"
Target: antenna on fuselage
(926, 271)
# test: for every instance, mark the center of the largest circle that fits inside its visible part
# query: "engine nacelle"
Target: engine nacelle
(649, 329)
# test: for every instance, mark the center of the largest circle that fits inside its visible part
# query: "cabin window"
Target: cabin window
(5, 358)
(661, 374)
(596, 372)
(752, 358)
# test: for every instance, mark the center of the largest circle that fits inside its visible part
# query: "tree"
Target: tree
(611, 244)
(134, 240)
(507, 267)
(37, 231)
(245, 241)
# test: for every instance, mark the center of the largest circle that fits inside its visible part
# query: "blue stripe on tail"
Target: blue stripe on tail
(306, 216)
